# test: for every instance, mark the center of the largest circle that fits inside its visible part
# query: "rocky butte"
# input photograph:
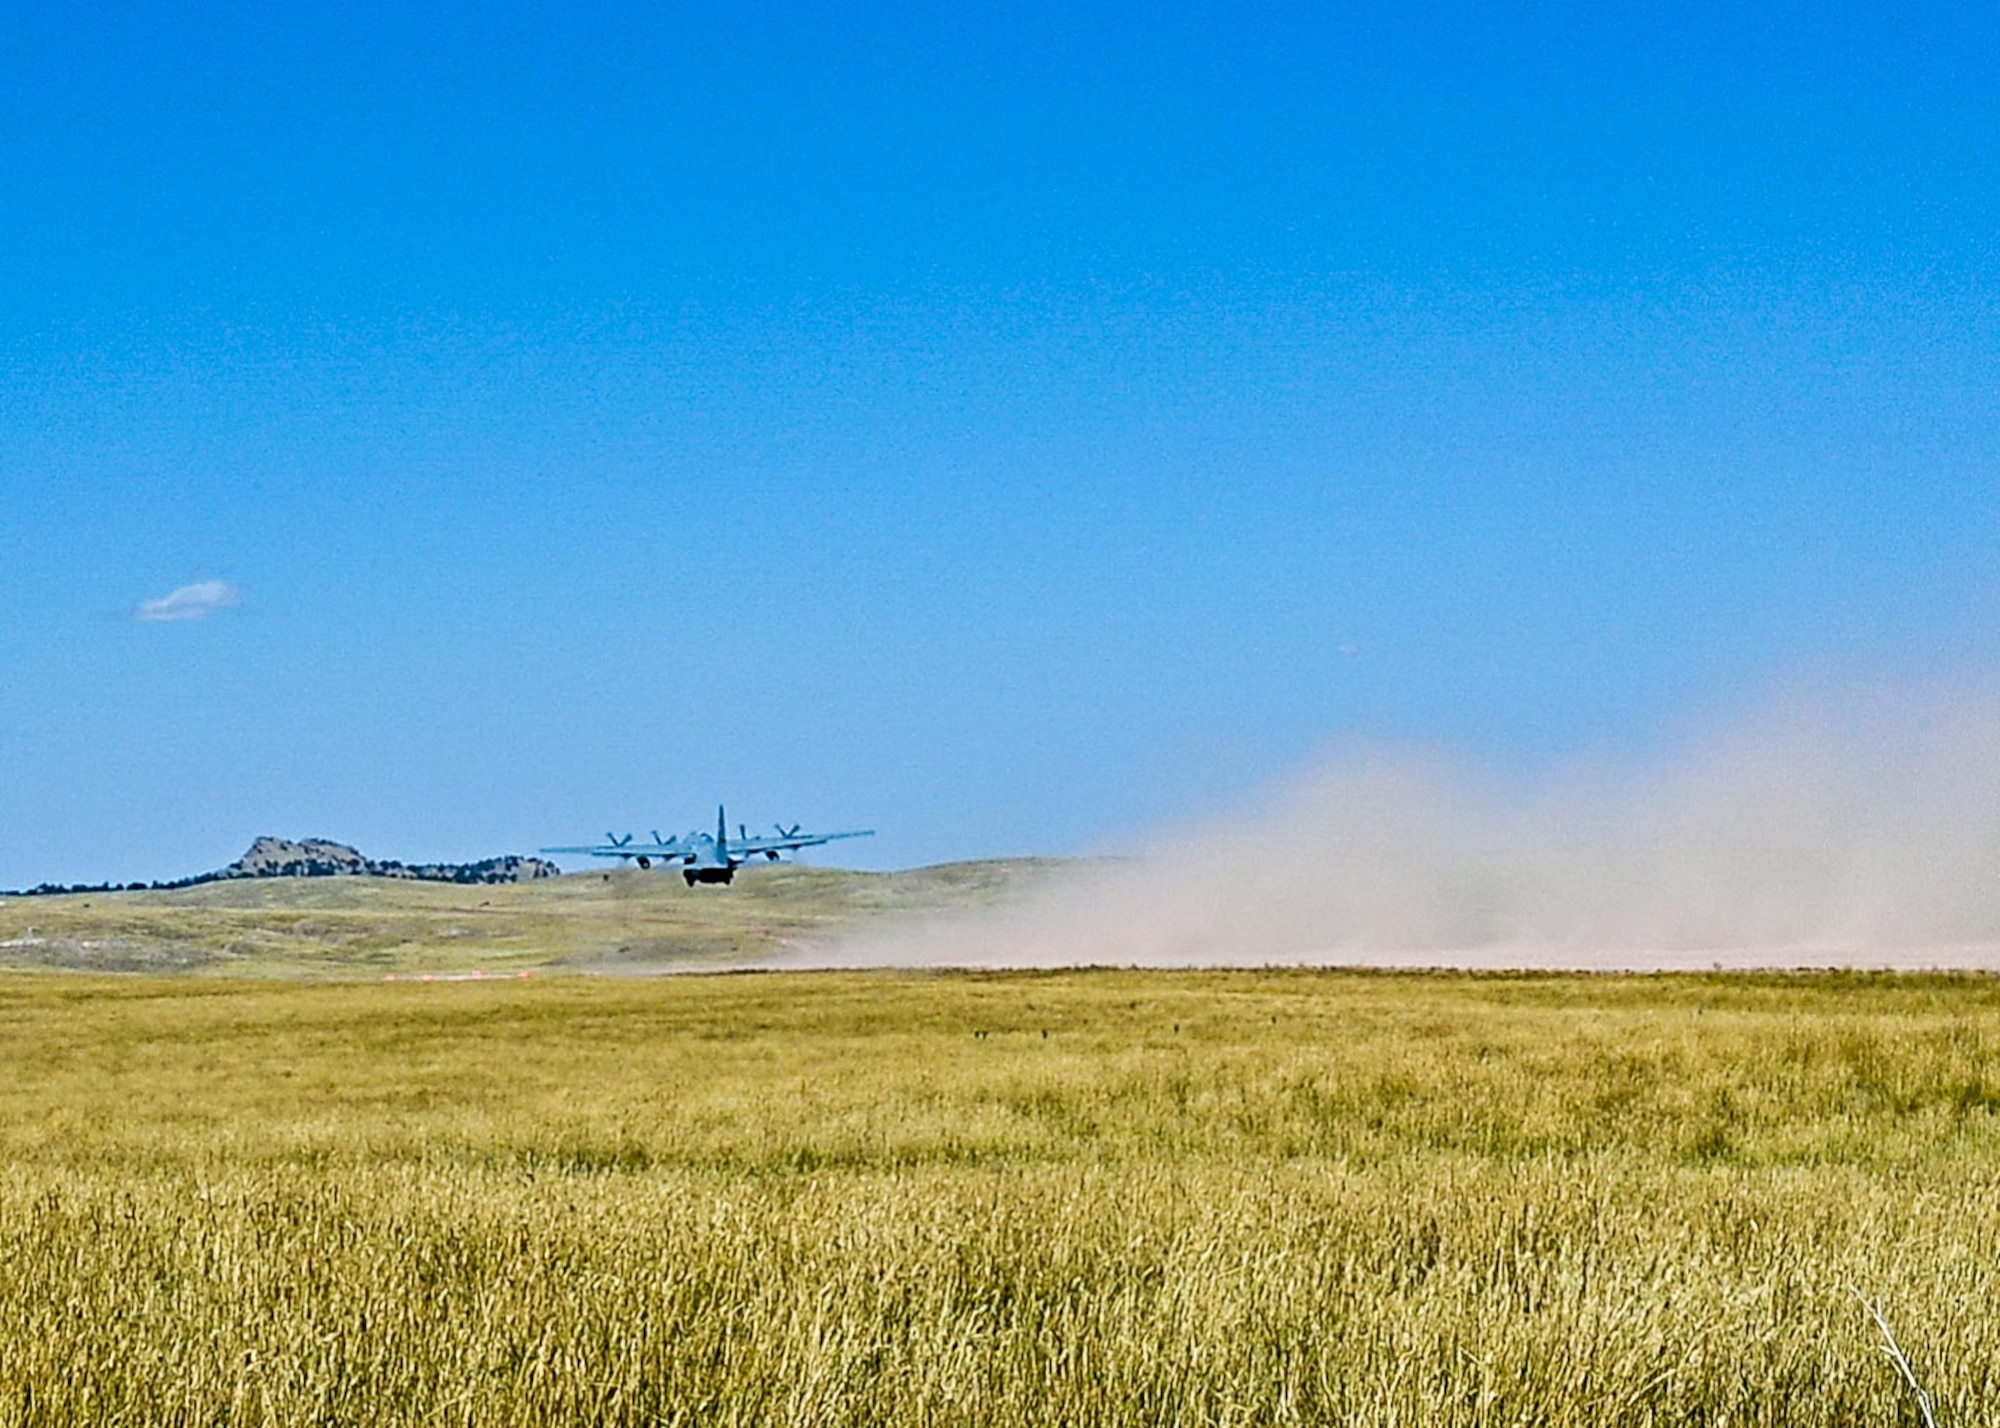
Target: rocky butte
(270, 857)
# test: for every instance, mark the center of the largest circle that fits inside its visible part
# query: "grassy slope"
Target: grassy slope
(372, 926)
(1107, 1197)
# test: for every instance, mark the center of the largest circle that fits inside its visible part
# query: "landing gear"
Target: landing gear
(688, 878)
(645, 863)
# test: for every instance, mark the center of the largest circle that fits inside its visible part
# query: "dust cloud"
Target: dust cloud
(1861, 829)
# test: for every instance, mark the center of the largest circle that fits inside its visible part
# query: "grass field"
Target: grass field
(345, 927)
(1111, 1197)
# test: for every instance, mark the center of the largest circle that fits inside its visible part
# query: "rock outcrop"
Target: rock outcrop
(270, 857)
(283, 858)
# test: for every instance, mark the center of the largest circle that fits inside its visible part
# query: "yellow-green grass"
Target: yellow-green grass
(335, 927)
(1112, 1197)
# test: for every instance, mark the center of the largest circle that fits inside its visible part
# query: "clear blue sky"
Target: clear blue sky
(1007, 426)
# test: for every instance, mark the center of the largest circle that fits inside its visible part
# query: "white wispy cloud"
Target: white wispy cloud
(190, 602)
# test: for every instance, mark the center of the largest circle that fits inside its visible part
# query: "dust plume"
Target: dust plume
(1859, 830)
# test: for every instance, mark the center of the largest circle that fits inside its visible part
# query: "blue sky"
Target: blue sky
(1010, 427)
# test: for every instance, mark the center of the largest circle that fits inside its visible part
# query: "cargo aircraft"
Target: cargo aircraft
(709, 857)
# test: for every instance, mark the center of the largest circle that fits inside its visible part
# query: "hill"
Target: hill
(270, 857)
(364, 924)
(320, 858)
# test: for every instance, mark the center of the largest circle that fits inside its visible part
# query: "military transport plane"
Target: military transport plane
(709, 857)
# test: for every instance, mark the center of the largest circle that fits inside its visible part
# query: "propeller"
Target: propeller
(791, 832)
(618, 842)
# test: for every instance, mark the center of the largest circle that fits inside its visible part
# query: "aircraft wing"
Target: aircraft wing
(771, 846)
(630, 848)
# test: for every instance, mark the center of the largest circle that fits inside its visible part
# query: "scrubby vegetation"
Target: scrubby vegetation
(1075, 1198)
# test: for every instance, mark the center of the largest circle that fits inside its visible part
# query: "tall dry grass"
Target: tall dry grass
(1245, 1198)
